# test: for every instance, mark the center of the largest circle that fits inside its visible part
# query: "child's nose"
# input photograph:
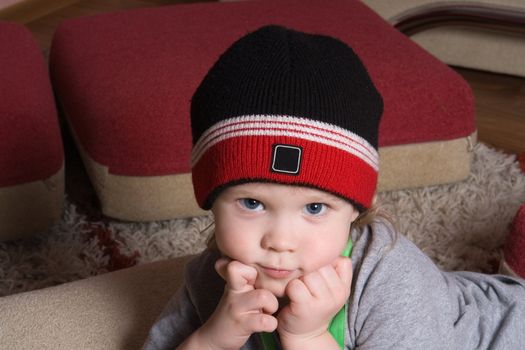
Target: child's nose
(280, 236)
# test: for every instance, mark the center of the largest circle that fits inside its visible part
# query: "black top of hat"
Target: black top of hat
(280, 71)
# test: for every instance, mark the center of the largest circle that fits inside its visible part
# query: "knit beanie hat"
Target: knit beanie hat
(286, 107)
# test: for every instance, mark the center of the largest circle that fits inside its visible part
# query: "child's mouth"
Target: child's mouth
(276, 273)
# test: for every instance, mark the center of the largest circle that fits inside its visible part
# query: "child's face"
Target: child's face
(282, 231)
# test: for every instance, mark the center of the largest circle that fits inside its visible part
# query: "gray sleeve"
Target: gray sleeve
(491, 310)
(177, 321)
(191, 306)
(400, 301)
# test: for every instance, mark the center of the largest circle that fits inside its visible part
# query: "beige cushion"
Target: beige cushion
(110, 311)
(31, 207)
(425, 164)
(463, 46)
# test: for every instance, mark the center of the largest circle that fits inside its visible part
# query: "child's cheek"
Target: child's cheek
(235, 245)
(321, 254)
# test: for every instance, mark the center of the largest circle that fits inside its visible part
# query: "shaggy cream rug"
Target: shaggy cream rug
(461, 226)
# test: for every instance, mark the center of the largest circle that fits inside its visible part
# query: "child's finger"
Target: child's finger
(259, 322)
(297, 291)
(238, 276)
(343, 267)
(258, 300)
(338, 288)
(316, 282)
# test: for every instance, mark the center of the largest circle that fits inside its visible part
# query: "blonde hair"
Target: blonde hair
(376, 214)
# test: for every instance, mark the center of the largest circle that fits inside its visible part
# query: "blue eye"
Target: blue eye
(251, 204)
(315, 208)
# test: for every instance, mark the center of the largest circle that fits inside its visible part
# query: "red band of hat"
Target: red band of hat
(252, 158)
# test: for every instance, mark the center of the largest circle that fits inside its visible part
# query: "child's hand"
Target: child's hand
(315, 298)
(243, 310)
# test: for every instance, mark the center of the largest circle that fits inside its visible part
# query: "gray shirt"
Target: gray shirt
(399, 300)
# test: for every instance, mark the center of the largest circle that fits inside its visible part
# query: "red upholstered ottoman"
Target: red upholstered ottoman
(125, 81)
(31, 154)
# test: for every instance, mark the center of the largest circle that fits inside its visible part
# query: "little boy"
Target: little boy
(285, 128)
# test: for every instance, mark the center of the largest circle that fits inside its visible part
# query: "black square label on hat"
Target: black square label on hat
(286, 159)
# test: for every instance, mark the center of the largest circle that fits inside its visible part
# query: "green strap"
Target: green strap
(337, 326)
(268, 341)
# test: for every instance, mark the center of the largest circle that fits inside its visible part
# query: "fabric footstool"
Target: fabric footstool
(513, 260)
(125, 80)
(31, 154)
(112, 311)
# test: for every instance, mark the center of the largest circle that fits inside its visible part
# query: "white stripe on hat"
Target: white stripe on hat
(279, 125)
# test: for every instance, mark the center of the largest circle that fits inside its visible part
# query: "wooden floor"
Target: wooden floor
(500, 99)
(500, 109)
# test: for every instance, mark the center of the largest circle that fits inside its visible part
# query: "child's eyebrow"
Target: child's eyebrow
(321, 196)
(331, 199)
(243, 193)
